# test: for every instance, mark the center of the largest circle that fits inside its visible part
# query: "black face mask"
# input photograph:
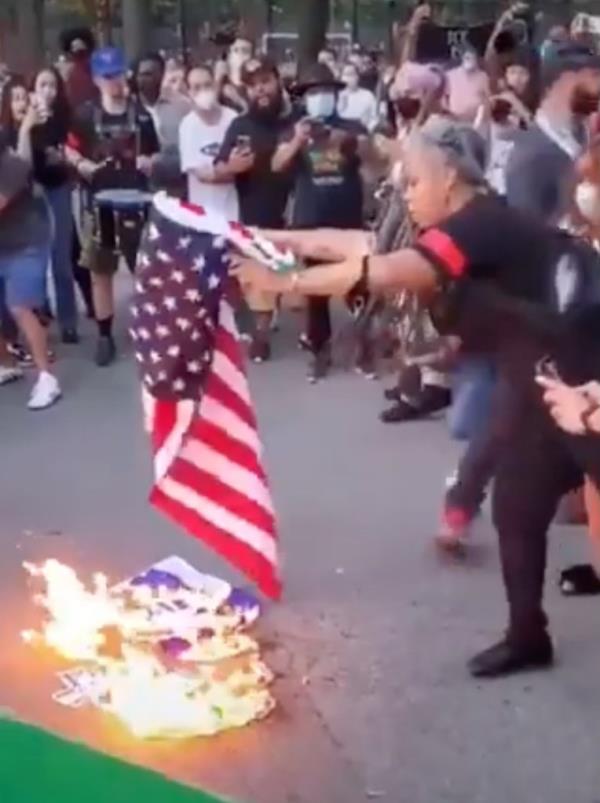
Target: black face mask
(408, 108)
(584, 103)
(500, 110)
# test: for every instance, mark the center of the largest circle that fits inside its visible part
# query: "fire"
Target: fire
(168, 662)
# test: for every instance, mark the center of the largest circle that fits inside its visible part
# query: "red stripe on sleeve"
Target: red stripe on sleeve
(74, 142)
(443, 247)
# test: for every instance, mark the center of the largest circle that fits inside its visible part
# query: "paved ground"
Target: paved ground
(374, 630)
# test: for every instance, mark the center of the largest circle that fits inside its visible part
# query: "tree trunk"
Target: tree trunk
(136, 27)
(29, 52)
(312, 29)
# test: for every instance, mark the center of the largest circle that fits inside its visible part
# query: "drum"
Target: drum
(119, 218)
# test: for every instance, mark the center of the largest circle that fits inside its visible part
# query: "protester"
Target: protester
(502, 261)
(24, 254)
(42, 143)
(356, 103)
(263, 193)
(201, 137)
(468, 86)
(77, 45)
(322, 155)
(233, 88)
(114, 145)
(167, 111)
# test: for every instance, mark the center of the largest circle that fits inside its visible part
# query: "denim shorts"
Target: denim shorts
(24, 276)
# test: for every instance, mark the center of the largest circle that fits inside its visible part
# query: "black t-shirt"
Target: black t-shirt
(118, 138)
(502, 270)
(263, 194)
(328, 188)
(48, 141)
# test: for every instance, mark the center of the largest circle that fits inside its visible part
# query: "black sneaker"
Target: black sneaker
(579, 581)
(260, 350)
(106, 351)
(70, 337)
(506, 658)
(319, 366)
(392, 394)
(400, 412)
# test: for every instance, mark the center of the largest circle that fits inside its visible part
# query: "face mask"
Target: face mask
(205, 99)
(469, 63)
(408, 108)
(584, 103)
(587, 198)
(320, 104)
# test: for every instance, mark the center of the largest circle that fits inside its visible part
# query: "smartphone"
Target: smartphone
(546, 369)
(243, 142)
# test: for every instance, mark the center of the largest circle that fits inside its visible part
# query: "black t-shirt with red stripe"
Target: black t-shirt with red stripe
(488, 240)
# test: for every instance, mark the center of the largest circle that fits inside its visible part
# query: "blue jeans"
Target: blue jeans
(59, 200)
(472, 389)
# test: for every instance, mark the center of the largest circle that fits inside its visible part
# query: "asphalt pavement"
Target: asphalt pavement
(371, 639)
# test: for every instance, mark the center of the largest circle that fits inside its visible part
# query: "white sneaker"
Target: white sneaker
(45, 392)
(9, 373)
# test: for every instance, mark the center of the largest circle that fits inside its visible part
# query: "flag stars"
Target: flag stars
(143, 333)
(174, 351)
(155, 281)
(184, 243)
(178, 386)
(183, 324)
(192, 295)
(150, 308)
(194, 367)
(155, 357)
(198, 264)
(170, 303)
(178, 276)
(213, 282)
(162, 331)
(162, 376)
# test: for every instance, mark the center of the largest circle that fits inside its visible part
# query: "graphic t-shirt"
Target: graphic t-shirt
(328, 187)
(199, 145)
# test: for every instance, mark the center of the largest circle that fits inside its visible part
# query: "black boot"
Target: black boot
(319, 365)
(579, 581)
(106, 351)
(508, 657)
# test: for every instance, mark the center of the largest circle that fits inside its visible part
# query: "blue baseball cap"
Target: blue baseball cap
(108, 62)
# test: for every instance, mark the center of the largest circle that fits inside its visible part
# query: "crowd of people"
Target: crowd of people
(454, 208)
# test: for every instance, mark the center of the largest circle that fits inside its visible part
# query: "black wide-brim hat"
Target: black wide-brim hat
(314, 76)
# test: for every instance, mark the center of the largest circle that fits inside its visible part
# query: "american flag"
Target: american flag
(208, 472)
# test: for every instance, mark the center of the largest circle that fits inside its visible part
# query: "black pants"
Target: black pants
(318, 322)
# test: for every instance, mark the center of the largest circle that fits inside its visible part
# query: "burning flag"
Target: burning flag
(179, 644)
(208, 470)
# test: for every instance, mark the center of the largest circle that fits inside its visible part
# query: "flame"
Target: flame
(216, 681)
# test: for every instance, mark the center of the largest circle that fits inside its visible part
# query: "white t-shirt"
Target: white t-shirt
(360, 105)
(199, 145)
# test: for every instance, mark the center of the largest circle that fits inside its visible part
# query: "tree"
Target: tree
(313, 21)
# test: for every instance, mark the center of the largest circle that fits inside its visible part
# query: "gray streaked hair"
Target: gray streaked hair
(460, 145)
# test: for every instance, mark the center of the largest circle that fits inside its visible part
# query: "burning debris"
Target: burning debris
(165, 652)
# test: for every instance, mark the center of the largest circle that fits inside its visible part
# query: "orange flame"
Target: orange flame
(219, 682)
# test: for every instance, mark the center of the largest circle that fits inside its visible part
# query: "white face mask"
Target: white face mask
(587, 198)
(351, 80)
(320, 104)
(469, 62)
(205, 99)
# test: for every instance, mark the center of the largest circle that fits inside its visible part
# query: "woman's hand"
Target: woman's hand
(569, 405)
(256, 276)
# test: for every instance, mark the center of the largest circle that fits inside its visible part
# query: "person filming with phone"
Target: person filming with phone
(322, 153)
(263, 193)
